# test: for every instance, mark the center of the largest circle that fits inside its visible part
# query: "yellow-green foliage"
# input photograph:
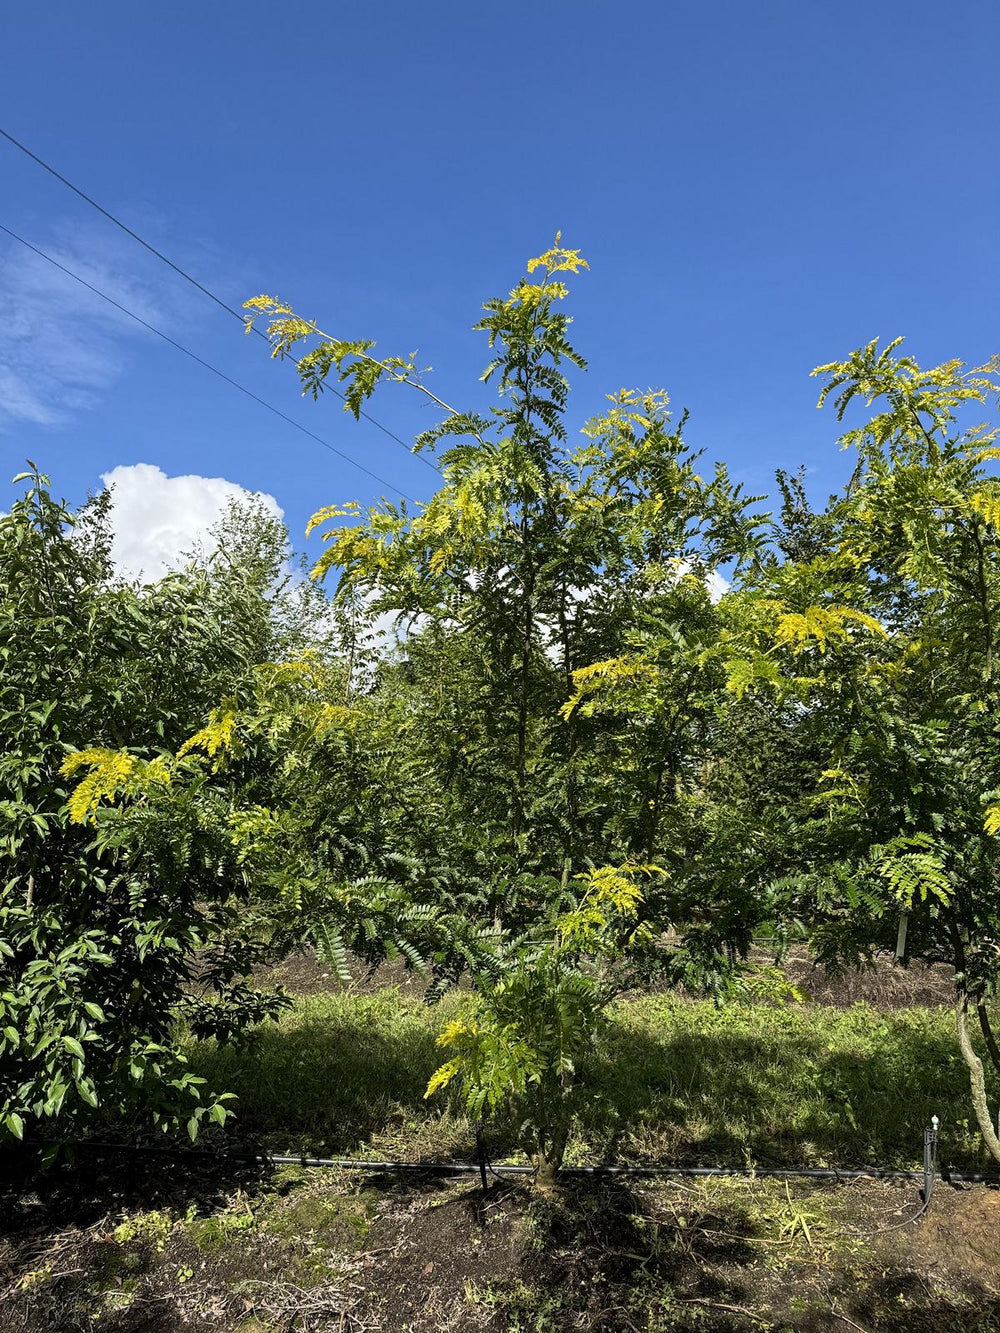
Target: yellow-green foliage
(112, 773)
(986, 503)
(913, 394)
(607, 893)
(216, 737)
(763, 629)
(554, 260)
(746, 672)
(618, 680)
(817, 626)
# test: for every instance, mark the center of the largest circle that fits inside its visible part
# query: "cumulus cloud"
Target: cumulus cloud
(716, 584)
(158, 519)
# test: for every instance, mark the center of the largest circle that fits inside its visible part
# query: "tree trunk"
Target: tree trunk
(548, 1162)
(547, 1175)
(977, 1080)
(988, 1035)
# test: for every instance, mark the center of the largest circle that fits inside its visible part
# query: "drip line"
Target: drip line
(517, 1169)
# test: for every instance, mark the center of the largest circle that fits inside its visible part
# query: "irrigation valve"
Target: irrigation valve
(930, 1160)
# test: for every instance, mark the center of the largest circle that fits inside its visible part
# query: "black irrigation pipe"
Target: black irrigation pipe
(927, 1174)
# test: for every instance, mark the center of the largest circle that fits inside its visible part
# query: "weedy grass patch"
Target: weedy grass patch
(338, 1073)
(778, 1085)
(670, 1079)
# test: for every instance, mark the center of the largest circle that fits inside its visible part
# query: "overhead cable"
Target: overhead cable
(202, 362)
(224, 305)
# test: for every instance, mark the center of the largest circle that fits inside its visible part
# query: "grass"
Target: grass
(810, 1085)
(671, 1080)
(120, 1244)
(339, 1073)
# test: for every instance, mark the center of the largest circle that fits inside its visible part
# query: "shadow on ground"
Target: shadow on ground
(296, 1251)
(668, 1081)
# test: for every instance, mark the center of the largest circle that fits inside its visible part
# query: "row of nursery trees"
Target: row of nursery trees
(578, 768)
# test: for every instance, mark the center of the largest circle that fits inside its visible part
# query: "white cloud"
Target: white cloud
(716, 584)
(62, 346)
(158, 519)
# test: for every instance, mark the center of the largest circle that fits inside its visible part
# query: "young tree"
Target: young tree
(526, 576)
(101, 937)
(881, 636)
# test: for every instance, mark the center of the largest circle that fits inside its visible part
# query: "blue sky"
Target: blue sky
(758, 188)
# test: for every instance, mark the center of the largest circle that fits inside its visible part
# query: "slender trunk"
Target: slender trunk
(653, 816)
(570, 783)
(549, 1158)
(984, 603)
(522, 706)
(547, 1175)
(350, 673)
(525, 385)
(988, 1035)
(977, 1080)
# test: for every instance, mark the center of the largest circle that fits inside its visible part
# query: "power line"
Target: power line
(194, 282)
(118, 223)
(202, 362)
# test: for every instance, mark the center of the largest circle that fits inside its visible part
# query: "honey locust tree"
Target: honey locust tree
(527, 568)
(879, 631)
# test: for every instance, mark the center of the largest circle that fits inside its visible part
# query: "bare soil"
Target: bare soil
(152, 1245)
(886, 986)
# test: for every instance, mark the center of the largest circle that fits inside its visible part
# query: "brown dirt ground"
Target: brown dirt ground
(884, 987)
(155, 1246)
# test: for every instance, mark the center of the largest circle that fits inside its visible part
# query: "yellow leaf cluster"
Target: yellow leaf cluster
(217, 735)
(267, 305)
(285, 328)
(455, 1031)
(646, 408)
(821, 625)
(111, 773)
(532, 294)
(335, 717)
(558, 260)
(609, 892)
(442, 1076)
(598, 676)
(460, 1035)
(986, 503)
(349, 509)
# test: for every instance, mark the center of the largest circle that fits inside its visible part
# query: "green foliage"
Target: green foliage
(516, 758)
(913, 866)
(106, 916)
(579, 761)
(880, 641)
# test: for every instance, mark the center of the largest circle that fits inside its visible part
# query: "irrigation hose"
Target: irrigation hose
(499, 1171)
(516, 1169)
